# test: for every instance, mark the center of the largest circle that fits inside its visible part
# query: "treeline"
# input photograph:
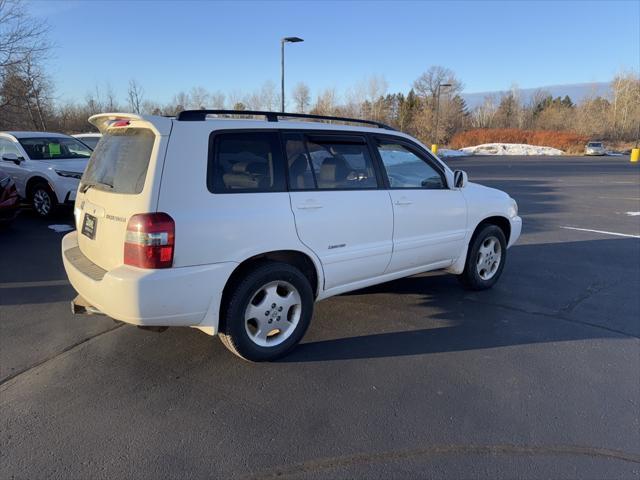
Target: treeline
(431, 111)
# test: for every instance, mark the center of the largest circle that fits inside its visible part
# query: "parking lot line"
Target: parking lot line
(46, 283)
(602, 231)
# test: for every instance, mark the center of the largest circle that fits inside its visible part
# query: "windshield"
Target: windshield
(54, 148)
(120, 161)
(595, 144)
(91, 142)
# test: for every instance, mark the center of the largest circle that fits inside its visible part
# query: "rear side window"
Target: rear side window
(326, 163)
(245, 162)
(120, 161)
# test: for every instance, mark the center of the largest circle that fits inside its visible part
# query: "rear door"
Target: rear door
(429, 217)
(121, 179)
(340, 210)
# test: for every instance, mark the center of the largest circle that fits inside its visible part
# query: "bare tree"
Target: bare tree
(136, 96)
(93, 102)
(301, 97)
(426, 86)
(483, 116)
(326, 102)
(217, 100)
(376, 89)
(111, 103)
(199, 98)
(38, 90)
(21, 37)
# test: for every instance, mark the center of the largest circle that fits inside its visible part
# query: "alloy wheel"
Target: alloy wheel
(273, 313)
(489, 257)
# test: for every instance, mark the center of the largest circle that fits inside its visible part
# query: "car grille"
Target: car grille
(82, 263)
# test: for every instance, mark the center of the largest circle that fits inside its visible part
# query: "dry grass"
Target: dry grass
(569, 142)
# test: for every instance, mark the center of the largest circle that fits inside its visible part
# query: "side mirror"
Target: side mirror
(460, 179)
(12, 157)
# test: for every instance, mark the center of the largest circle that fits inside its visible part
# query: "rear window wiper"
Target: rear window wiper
(87, 186)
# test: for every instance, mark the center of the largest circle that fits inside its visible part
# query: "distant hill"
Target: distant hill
(577, 92)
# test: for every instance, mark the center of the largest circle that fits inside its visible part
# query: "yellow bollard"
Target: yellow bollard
(434, 148)
(635, 154)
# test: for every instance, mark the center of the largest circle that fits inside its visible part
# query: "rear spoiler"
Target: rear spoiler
(102, 121)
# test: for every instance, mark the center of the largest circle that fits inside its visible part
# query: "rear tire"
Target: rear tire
(485, 259)
(43, 200)
(267, 313)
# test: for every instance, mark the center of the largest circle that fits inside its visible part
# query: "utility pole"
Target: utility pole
(436, 140)
(282, 42)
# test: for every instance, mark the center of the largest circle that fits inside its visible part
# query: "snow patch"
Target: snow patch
(445, 152)
(510, 149)
(61, 228)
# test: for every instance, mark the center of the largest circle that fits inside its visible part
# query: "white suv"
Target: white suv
(237, 226)
(46, 167)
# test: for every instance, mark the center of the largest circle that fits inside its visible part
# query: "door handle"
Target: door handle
(403, 202)
(309, 206)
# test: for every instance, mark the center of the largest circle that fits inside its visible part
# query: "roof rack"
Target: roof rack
(200, 115)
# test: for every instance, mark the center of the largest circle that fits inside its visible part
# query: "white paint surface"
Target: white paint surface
(604, 232)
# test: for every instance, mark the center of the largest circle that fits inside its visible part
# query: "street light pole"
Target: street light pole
(282, 42)
(438, 107)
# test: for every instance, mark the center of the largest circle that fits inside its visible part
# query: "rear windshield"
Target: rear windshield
(54, 148)
(595, 144)
(120, 161)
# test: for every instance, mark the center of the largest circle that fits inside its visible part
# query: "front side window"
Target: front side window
(406, 169)
(245, 162)
(54, 148)
(328, 163)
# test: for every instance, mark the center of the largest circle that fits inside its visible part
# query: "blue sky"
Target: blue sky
(168, 46)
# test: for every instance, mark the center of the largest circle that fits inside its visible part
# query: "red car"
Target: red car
(9, 200)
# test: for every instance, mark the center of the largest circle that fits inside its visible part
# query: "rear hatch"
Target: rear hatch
(122, 179)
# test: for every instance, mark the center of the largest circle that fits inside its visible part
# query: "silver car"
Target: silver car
(594, 148)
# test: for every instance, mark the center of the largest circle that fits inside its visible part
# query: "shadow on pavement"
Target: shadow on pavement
(548, 293)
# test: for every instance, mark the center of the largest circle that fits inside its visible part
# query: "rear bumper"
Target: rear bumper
(185, 296)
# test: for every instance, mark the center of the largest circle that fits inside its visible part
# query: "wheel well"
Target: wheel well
(33, 181)
(293, 257)
(500, 222)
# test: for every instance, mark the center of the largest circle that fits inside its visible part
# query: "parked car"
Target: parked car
(594, 148)
(9, 200)
(89, 139)
(237, 226)
(46, 167)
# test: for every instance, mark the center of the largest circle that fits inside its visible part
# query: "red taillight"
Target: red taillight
(149, 241)
(120, 123)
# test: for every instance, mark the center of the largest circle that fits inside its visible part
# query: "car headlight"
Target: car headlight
(66, 173)
(513, 209)
(4, 182)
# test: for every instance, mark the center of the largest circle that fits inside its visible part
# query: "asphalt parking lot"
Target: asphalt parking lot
(416, 378)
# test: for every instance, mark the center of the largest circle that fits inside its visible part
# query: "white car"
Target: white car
(237, 226)
(89, 139)
(46, 167)
(594, 148)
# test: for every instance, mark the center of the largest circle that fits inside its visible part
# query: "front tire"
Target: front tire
(268, 312)
(43, 200)
(485, 259)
